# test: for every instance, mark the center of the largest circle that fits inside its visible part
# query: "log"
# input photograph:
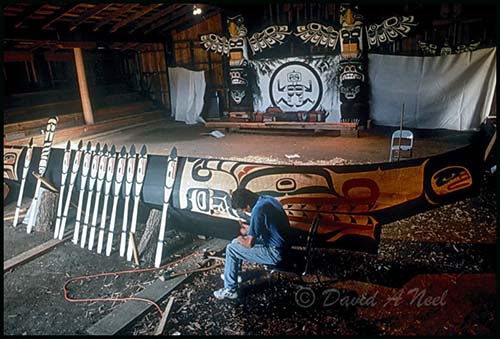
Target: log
(46, 214)
(147, 244)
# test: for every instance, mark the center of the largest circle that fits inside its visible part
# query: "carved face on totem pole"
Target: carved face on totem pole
(351, 33)
(236, 48)
(238, 58)
(352, 74)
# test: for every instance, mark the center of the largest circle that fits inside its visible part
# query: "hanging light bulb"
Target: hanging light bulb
(196, 10)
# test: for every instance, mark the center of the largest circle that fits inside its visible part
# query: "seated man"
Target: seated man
(263, 244)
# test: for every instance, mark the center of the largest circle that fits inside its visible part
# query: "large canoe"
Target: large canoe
(353, 200)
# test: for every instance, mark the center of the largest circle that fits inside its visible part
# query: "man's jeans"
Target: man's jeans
(236, 252)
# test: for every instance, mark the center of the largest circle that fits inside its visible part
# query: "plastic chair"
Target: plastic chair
(406, 144)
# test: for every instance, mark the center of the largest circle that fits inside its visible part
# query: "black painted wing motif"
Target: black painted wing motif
(389, 30)
(268, 37)
(318, 35)
(427, 48)
(215, 43)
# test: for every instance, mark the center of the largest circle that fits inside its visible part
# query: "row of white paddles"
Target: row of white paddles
(99, 169)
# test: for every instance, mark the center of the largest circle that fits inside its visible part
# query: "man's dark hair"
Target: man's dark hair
(243, 197)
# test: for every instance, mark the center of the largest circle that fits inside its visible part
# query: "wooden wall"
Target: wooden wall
(188, 53)
(152, 73)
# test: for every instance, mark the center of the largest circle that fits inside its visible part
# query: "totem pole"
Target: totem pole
(236, 47)
(355, 40)
(352, 73)
(241, 100)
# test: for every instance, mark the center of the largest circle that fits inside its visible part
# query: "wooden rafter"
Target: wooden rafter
(132, 45)
(11, 8)
(38, 45)
(134, 17)
(31, 10)
(155, 17)
(206, 15)
(90, 13)
(174, 16)
(9, 56)
(114, 15)
(77, 44)
(59, 15)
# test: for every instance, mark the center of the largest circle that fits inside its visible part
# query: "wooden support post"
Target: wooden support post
(490, 146)
(35, 78)
(27, 71)
(50, 73)
(82, 84)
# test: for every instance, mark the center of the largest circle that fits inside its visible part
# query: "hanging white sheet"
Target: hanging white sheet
(452, 92)
(187, 92)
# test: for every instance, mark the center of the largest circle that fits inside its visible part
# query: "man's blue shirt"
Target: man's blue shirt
(268, 222)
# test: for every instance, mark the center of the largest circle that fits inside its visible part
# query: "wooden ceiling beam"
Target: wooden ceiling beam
(59, 15)
(209, 13)
(62, 37)
(114, 15)
(134, 17)
(38, 45)
(162, 13)
(31, 10)
(12, 56)
(77, 44)
(129, 46)
(97, 9)
(182, 12)
(53, 55)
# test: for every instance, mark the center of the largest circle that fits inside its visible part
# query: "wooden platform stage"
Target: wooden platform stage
(350, 129)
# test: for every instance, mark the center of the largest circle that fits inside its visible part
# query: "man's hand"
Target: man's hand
(243, 228)
(245, 240)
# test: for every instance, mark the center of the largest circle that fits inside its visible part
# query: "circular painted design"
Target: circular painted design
(295, 86)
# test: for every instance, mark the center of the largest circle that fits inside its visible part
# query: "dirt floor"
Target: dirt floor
(434, 273)
(192, 140)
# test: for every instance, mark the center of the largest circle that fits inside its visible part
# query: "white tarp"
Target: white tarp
(187, 92)
(298, 84)
(452, 91)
